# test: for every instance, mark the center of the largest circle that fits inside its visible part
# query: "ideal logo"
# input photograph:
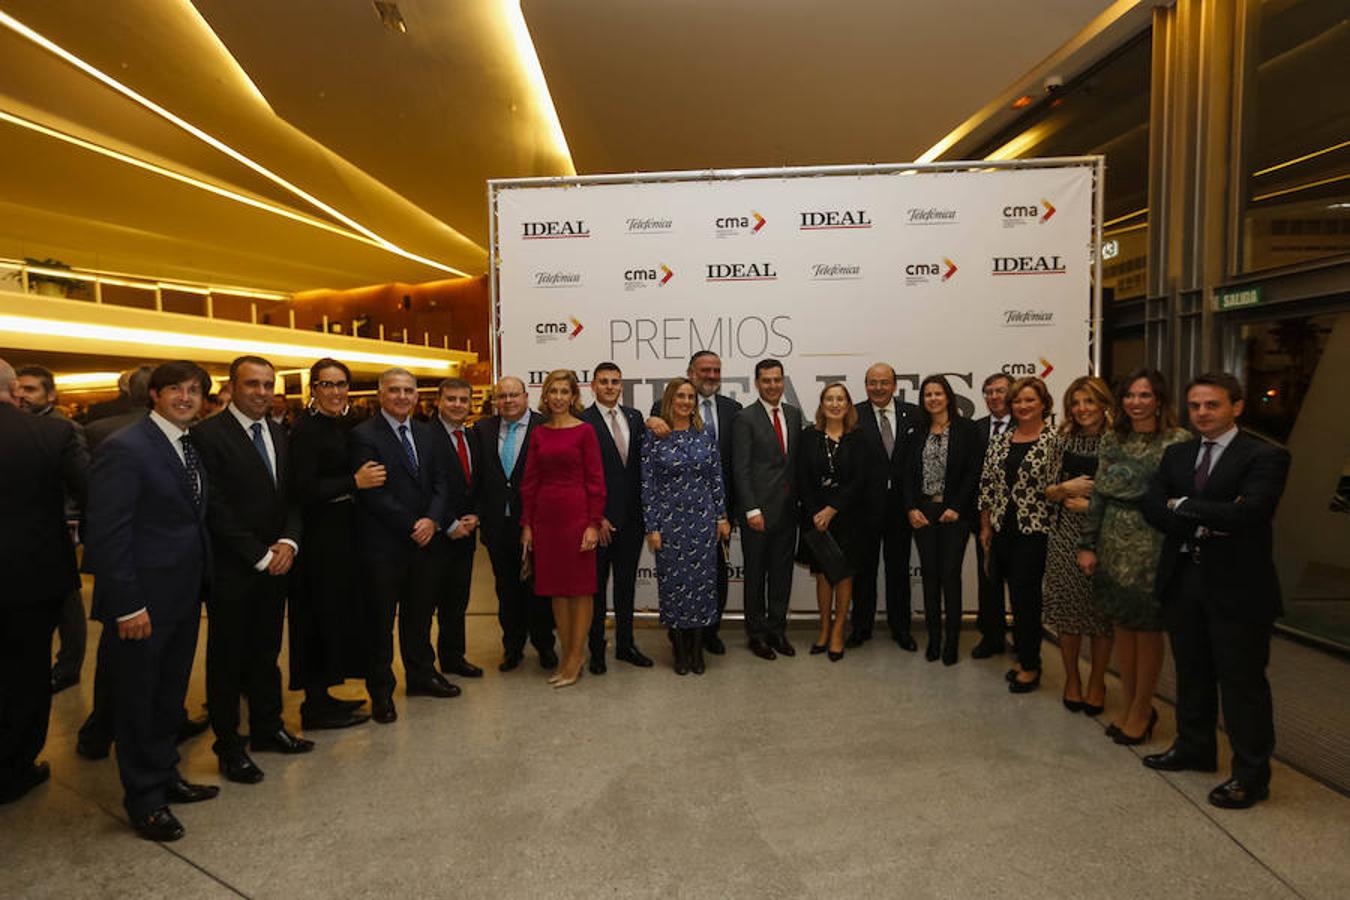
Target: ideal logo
(925, 273)
(1015, 215)
(930, 215)
(1041, 368)
(733, 226)
(636, 279)
(835, 272)
(1028, 265)
(557, 279)
(742, 272)
(546, 332)
(539, 231)
(824, 220)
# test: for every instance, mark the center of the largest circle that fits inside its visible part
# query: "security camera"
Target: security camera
(1053, 83)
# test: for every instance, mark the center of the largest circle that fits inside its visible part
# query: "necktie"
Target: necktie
(192, 462)
(261, 446)
(619, 442)
(778, 430)
(887, 433)
(463, 451)
(508, 451)
(998, 426)
(709, 420)
(407, 446)
(1202, 470)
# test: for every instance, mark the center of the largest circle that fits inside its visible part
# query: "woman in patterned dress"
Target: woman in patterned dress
(685, 512)
(1069, 606)
(1120, 550)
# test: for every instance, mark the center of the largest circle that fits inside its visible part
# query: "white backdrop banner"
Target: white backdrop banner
(962, 273)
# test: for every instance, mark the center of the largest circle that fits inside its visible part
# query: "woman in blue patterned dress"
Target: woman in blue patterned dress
(685, 512)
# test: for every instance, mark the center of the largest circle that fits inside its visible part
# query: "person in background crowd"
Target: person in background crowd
(1214, 498)
(1120, 550)
(329, 642)
(1015, 518)
(255, 533)
(890, 425)
(503, 444)
(832, 479)
(138, 391)
(766, 437)
(46, 463)
(1069, 605)
(992, 618)
(148, 489)
(619, 430)
(225, 395)
(281, 412)
(454, 399)
(35, 389)
(939, 486)
(684, 508)
(562, 500)
(399, 527)
(120, 405)
(211, 405)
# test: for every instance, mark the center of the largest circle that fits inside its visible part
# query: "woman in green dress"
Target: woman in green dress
(1119, 550)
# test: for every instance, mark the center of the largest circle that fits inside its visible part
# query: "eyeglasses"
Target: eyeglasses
(329, 385)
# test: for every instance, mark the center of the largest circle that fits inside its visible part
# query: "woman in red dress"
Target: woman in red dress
(562, 503)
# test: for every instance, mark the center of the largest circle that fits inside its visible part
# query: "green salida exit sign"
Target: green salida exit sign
(1236, 298)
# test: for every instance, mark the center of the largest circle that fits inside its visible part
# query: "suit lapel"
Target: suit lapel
(170, 457)
(519, 467)
(392, 437)
(1230, 460)
(244, 444)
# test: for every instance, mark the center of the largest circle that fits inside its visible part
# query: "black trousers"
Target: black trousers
(452, 599)
(405, 587)
(25, 685)
(100, 726)
(942, 550)
(243, 640)
(73, 630)
(768, 578)
(1220, 659)
(151, 684)
(1021, 558)
(992, 617)
(520, 612)
(890, 542)
(622, 557)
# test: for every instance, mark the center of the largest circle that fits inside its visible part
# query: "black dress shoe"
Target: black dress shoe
(434, 685)
(762, 650)
(931, 652)
(463, 668)
(986, 649)
(61, 681)
(713, 644)
(181, 791)
(1233, 794)
(190, 728)
(279, 741)
(907, 642)
(951, 655)
(383, 711)
(596, 665)
(784, 647)
(854, 640)
(548, 659)
(1024, 687)
(1010, 675)
(634, 656)
(1174, 760)
(331, 718)
(92, 749)
(236, 766)
(835, 655)
(25, 782)
(510, 661)
(160, 825)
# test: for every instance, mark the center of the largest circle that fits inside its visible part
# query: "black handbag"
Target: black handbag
(827, 555)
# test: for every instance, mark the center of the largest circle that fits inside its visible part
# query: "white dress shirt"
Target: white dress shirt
(247, 424)
(995, 421)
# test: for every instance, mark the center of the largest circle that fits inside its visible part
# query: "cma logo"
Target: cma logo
(742, 272)
(537, 231)
(834, 218)
(921, 272)
(1028, 265)
(1041, 368)
(549, 330)
(661, 275)
(735, 224)
(1041, 212)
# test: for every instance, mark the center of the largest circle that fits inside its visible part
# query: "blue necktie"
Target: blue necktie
(709, 424)
(508, 454)
(261, 446)
(407, 446)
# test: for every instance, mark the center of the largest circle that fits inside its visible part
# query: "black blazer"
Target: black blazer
(45, 461)
(727, 409)
(247, 511)
(623, 483)
(145, 541)
(98, 431)
(385, 515)
(887, 476)
(764, 478)
(461, 494)
(965, 459)
(852, 464)
(1237, 506)
(498, 490)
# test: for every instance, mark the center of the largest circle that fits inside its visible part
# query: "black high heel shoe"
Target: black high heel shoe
(1091, 710)
(1072, 705)
(835, 655)
(1125, 739)
(817, 649)
(1025, 687)
(1112, 731)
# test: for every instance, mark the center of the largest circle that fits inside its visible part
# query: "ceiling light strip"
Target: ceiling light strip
(1299, 187)
(1298, 159)
(127, 279)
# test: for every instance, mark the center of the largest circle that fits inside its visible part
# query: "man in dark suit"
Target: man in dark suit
(454, 401)
(96, 431)
(889, 426)
(122, 404)
(765, 440)
(398, 531)
(150, 553)
(619, 429)
(46, 464)
(502, 443)
(992, 618)
(1214, 499)
(255, 534)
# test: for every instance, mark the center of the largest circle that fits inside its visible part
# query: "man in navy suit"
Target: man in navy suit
(454, 401)
(619, 429)
(399, 530)
(150, 553)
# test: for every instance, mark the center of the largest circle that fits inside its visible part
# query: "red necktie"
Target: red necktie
(1202, 470)
(463, 454)
(778, 430)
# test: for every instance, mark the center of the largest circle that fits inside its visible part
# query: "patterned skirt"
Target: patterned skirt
(1070, 607)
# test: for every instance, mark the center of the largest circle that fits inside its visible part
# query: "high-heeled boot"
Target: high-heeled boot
(696, 651)
(681, 645)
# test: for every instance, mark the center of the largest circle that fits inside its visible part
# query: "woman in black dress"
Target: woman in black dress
(832, 478)
(327, 633)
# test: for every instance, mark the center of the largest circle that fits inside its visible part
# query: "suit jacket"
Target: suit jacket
(146, 543)
(385, 515)
(623, 482)
(1237, 507)
(99, 430)
(965, 459)
(852, 462)
(247, 511)
(45, 462)
(727, 409)
(499, 490)
(119, 406)
(886, 492)
(764, 478)
(461, 494)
